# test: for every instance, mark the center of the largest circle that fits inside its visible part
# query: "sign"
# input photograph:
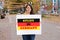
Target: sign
(28, 24)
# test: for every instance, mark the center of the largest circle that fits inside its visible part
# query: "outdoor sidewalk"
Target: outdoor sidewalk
(50, 31)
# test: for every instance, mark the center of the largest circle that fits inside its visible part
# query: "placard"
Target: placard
(28, 24)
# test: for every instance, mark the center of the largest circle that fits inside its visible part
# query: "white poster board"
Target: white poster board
(28, 24)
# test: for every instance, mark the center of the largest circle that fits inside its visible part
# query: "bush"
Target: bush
(13, 12)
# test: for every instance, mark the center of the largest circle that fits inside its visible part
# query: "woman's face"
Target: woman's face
(28, 9)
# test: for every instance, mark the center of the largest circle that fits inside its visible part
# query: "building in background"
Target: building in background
(53, 5)
(58, 6)
(1, 6)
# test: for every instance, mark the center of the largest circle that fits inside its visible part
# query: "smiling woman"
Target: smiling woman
(28, 11)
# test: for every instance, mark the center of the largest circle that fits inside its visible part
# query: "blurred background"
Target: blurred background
(49, 9)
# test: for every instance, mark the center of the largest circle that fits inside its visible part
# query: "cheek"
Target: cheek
(28, 9)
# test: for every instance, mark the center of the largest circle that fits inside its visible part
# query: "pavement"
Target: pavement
(50, 30)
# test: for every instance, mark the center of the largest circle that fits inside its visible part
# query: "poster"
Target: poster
(28, 24)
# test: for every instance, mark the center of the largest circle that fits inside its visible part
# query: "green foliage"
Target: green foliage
(18, 1)
(12, 0)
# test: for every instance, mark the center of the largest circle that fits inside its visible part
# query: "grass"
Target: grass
(45, 16)
(52, 18)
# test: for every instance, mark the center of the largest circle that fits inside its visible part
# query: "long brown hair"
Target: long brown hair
(30, 7)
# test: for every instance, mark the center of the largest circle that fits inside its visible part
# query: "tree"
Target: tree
(18, 1)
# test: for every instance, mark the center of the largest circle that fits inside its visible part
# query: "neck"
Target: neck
(27, 12)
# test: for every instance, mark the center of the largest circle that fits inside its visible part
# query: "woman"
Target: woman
(28, 11)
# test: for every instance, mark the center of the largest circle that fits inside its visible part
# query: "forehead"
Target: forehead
(28, 6)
